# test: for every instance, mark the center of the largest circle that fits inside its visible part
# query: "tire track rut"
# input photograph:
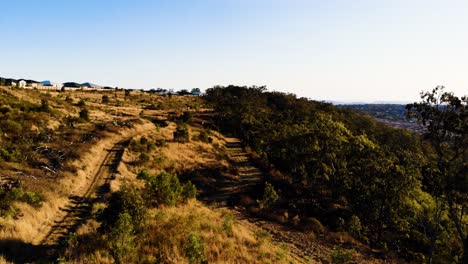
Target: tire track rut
(80, 206)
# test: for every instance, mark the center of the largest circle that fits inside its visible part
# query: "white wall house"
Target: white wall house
(21, 83)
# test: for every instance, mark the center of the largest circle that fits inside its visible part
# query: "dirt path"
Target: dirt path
(229, 189)
(247, 179)
(80, 206)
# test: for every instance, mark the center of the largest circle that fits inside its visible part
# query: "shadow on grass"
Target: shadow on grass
(18, 251)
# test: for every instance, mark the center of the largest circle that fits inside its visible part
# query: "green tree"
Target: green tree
(121, 240)
(445, 119)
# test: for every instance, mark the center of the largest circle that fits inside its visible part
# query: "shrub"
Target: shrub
(32, 199)
(195, 249)
(143, 158)
(81, 103)
(354, 226)
(121, 240)
(181, 134)
(340, 256)
(189, 191)
(16, 193)
(127, 200)
(270, 196)
(204, 136)
(84, 114)
(315, 225)
(105, 99)
(186, 117)
(44, 106)
(165, 188)
(228, 223)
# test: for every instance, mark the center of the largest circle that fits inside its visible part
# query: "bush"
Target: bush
(340, 256)
(195, 250)
(84, 114)
(105, 99)
(269, 196)
(189, 191)
(204, 136)
(16, 193)
(127, 200)
(121, 240)
(44, 106)
(228, 223)
(165, 188)
(186, 117)
(32, 199)
(81, 103)
(354, 226)
(181, 134)
(315, 225)
(143, 158)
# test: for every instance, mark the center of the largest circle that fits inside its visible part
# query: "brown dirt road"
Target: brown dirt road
(101, 170)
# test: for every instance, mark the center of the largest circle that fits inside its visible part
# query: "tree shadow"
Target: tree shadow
(17, 251)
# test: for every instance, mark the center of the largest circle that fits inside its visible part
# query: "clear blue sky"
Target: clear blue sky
(326, 50)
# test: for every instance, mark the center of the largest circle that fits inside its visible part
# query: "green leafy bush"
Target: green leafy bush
(121, 240)
(354, 226)
(195, 249)
(181, 134)
(340, 256)
(143, 158)
(16, 193)
(204, 136)
(228, 222)
(127, 200)
(270, 196)
(165, 188)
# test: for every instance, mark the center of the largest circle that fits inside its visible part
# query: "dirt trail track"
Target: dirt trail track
(80, 207)
(228, 190)
(302, 248)
(103, 166)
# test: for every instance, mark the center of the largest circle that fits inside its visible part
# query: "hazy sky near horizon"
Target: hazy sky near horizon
(327, 50)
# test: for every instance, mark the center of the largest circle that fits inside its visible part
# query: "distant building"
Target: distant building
(90, 85)
(195, 91)
(22, 83)
(49, 85)
(71, 85)
(29, 83)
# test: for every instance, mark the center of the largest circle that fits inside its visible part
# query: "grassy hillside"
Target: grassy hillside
(52, 153)
(238, 176)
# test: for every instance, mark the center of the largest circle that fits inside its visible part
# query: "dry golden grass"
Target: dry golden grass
(243, 244)
(35, 223)
(224, 239)
(4, 261)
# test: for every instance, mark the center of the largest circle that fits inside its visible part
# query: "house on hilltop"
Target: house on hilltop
(49, 85)
(71, 85)
(90, 85)
(195, 91)
(24, 83)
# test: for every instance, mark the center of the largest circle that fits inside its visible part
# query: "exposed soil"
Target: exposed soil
(80, 206)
